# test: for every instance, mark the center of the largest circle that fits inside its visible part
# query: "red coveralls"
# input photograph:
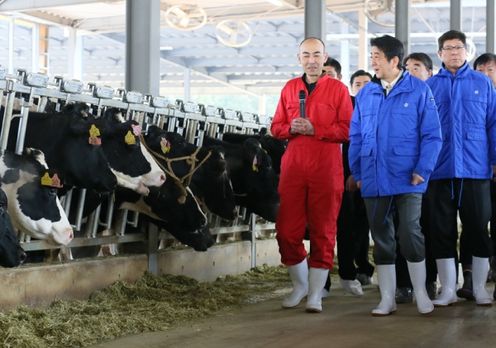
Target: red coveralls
(311, 181)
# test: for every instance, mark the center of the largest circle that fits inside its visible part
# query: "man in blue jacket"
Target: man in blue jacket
(395, 138)
(466, 103)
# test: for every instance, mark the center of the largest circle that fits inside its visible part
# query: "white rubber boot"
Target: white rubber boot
(299, 277)
(352, 286)
(417, 275)
(386, 275)
(480, 268)
(447, 277)
(317, 278)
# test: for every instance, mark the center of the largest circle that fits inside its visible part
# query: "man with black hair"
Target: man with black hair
(358, 80)
(418, 64)
(311, 180)
(332, 68)
(460, 183)
(395, 138)
(486, 64)
(354, 269)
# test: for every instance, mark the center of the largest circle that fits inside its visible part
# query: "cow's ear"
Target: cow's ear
(79, 126)
(154, 131)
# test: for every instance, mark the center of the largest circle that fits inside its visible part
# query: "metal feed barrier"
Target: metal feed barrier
(27, 91)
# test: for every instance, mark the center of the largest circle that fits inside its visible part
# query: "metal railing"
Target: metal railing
(33, 92)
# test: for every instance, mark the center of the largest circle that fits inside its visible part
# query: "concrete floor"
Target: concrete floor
(345, 322)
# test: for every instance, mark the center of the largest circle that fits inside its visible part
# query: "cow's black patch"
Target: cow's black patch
(38, 202)
(11, 253)
(10, 176)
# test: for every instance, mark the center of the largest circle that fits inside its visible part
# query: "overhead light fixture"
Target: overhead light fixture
(166, 48)
(233, 33)
(186, 17)
(381, 12)
(276, 2)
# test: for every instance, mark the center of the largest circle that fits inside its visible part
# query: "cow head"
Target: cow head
(185, 221)
(258, 181)
(275, 148)
(210, 182)
(11, 253)
(84, 141)
(32, 194)
(199, 240)
(131, 163)
(213, 185)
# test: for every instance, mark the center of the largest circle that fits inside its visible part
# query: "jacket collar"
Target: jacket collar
(404, 84)
(462, 71)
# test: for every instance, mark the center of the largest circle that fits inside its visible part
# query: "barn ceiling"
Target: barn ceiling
(260, 67)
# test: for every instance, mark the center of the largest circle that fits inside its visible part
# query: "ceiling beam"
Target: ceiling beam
(46, 18)
(25, 5)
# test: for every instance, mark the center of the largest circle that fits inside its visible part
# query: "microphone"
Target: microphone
(302, 96)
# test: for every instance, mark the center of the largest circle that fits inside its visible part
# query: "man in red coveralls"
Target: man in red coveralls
(311, 181)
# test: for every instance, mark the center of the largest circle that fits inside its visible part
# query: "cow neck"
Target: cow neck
(192, 159)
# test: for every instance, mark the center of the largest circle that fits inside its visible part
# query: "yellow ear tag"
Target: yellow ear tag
(165, 145)
(94, 131)
(254, 165)
(94, 136)
(129, 138)
(54, 181)
(46, 180)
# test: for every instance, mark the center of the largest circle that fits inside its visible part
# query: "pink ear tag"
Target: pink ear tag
(136, 129)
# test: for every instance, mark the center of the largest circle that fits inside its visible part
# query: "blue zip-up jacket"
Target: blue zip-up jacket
(467, 112)
(394, 136)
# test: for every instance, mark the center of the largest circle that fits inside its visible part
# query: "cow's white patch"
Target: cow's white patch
(156, 176)
(38, 155)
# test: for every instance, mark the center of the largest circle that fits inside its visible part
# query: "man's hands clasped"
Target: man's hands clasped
(302, 126)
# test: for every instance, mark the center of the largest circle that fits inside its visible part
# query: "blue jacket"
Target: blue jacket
(394, 136)
(467, 112)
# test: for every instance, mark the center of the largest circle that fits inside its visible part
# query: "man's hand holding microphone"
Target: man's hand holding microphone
(302, 125)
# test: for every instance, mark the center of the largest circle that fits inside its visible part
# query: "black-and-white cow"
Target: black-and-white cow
(65, 140)
(210, 181)
(11, 253)
(132, 164)
(252, 175)
(166, 206)
(34, 207)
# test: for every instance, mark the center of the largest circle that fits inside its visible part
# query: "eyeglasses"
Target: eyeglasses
(453, 48)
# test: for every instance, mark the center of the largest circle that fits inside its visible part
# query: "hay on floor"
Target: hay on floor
(151, 304)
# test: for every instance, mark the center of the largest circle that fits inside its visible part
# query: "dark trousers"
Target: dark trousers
(402, 275)
(380, 216)
(472, 199)
(353, 237)
(465, 248)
